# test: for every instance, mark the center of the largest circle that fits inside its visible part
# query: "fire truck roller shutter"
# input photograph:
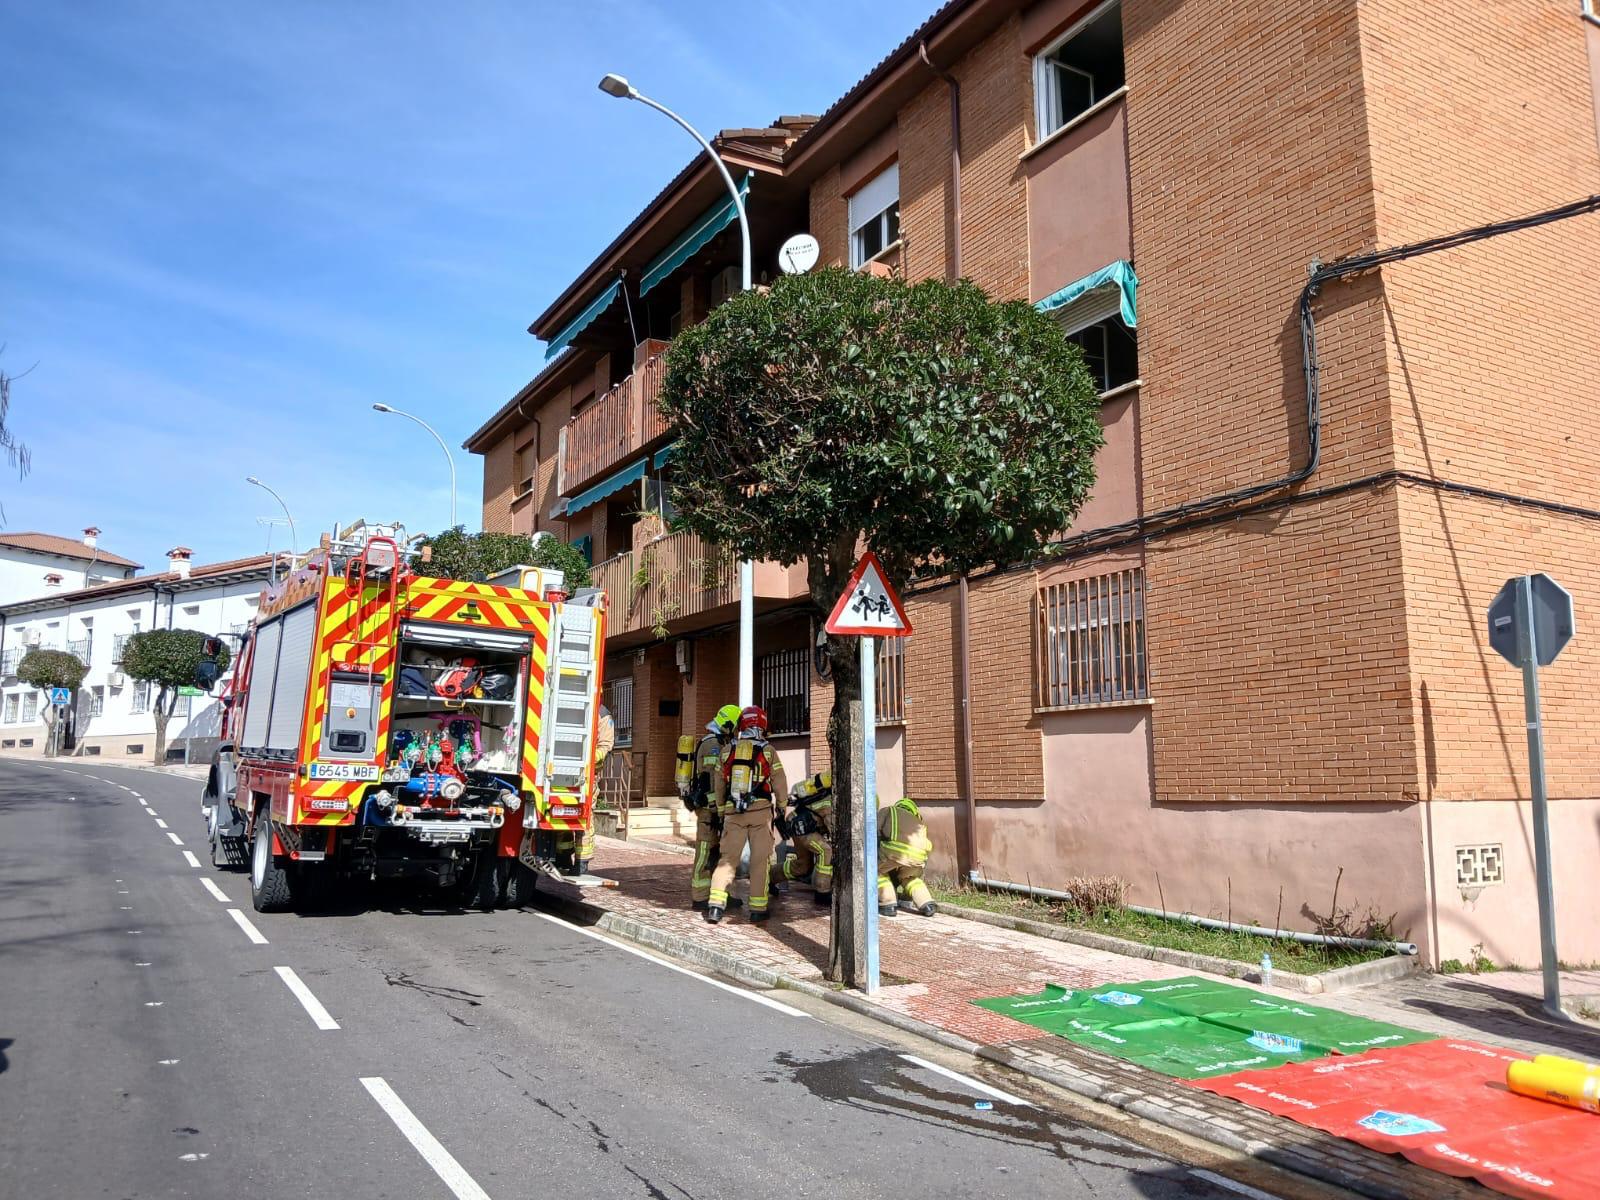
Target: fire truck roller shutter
(294, 674)
(264, 668)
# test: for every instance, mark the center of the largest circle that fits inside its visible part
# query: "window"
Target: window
(524, 467)
(141, 697)
(619, 699)
(13, 706)
(891, 700)
(97, 700)
(1111, 352)
(785, 685)
(875, 216)
(1092, 641)
(30, 706)
(1079, 70)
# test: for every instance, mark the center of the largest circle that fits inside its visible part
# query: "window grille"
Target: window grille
(786, 691)
(891, 698)
(1092, 641)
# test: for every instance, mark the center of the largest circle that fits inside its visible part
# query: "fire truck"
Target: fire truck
(386, 724)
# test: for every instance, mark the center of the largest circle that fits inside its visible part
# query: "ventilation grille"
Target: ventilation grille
(1478, 866)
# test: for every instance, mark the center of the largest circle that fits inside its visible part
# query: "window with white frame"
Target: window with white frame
(1091, 641)
(30, 706)
(97, 700)
(875, 216)
(13, 707)
(1093, 322)
(141, 697)
(1079, 70)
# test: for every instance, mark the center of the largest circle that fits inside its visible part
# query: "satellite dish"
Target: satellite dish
(799, 254)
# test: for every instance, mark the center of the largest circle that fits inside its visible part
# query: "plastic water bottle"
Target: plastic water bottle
(1266, 970)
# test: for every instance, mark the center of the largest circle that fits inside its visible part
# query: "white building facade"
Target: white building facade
(38, 564)
(112, 715)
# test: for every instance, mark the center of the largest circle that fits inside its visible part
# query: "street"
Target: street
(158, 1038)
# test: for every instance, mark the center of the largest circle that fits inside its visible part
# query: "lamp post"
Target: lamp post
(293, 538)
(448, 457)
(616, 85)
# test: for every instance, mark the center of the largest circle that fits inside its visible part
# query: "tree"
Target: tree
(940, 429)
(458, 554)
(45, 669)
(170, 659)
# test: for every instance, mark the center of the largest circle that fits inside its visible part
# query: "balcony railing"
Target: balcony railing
(673, 577)
(80, 649)
(10, 661)
(119, 641)
(617, 424)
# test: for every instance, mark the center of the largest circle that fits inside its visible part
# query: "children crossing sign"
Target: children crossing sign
(869, 606)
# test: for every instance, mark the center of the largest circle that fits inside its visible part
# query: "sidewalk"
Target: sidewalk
(933, 967)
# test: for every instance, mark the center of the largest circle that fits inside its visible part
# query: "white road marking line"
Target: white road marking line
(135, 931)
(160, 824)
(250, 931)
(166, 1062)
(661, 962)
(215, 891)
(970, 1082)
(125, 907)
(193, 1157)
(176, 840)
(190, 858)
(444, 1165)
(154, 1003)
(309, 1002)
(1243, 1189)
(141, 964)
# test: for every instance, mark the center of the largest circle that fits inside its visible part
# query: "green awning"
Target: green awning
(1118, 275)
(715, 220)
(608, 486)
(582, 321)
(663, 454)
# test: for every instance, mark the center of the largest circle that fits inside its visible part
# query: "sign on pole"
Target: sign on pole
(1530, 622)
(869, 608)
(60, 697)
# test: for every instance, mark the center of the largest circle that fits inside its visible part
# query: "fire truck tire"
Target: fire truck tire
(520, 884)
(269, 879)
(487, 881)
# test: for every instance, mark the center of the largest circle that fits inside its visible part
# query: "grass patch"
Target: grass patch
(1287, 954)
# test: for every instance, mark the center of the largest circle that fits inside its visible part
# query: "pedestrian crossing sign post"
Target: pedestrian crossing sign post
(60, 697)
(869, 608)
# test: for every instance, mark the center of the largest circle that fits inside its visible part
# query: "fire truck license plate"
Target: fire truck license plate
(364, 772)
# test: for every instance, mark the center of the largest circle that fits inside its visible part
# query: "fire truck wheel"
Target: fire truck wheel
(487, 881)
(269, 880)
(520, 883)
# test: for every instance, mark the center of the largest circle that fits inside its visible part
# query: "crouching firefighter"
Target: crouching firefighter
(746, 787)
(903, 848)
(699, 760)
(809, 830)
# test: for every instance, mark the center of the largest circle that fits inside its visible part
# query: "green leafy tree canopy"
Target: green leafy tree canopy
(940, 429)
(458, 554)
(51, 668)
(170, 659)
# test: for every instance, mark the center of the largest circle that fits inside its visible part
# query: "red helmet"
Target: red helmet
(753, 718)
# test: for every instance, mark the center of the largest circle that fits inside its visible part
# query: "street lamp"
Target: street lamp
(449, 458)
(293, 540)
(616, 85)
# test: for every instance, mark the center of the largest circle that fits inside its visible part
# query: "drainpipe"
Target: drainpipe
(963, 626)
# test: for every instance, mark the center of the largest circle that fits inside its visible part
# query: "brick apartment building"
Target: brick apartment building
(1242, 703)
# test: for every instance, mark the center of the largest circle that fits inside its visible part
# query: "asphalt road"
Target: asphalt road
(159, 1039)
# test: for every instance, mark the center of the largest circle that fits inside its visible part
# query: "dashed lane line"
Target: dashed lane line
(216, 892)
(319, 1015)
(444, 1165)
(250, 931)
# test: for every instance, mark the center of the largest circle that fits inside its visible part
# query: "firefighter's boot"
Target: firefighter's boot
(713, 914)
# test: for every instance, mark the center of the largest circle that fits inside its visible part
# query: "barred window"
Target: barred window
(141, 697)
(619, 699)
(786, 690)
(1092, 641)
(891, 698)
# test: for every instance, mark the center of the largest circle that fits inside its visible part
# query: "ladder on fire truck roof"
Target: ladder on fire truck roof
(569, 705)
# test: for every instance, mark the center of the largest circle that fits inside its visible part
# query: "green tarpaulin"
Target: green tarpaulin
(1197, 1028)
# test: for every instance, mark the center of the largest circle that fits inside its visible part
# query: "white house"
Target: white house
(112, 714)
(37, 564)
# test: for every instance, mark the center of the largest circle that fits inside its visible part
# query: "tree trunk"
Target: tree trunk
(163, 711)
(847, 951)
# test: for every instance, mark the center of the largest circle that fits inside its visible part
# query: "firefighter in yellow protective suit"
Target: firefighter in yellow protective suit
(903, 848)
(749, 788)
(809, 831)
(699, 760)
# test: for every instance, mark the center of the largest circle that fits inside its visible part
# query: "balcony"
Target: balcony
(1078, 212)
(679, 583)
(616, 426)
(9, 663)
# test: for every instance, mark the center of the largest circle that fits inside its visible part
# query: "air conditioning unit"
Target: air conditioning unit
(35, 636)
(117, 679)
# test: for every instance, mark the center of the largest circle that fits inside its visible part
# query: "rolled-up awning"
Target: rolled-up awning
(713, 222)
(582, 321)
(608, 486)
(1118, 275)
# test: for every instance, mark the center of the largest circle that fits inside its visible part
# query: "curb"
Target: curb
(1113, 1093)
(1379, 970)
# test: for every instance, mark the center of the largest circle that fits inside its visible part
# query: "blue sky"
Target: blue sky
(227, 229)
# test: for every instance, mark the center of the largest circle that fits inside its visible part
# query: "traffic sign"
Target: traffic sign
(191, 691)
(60, 697)
(869, 607)
(1551, 618)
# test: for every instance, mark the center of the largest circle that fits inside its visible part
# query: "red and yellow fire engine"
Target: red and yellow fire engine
(387, 724)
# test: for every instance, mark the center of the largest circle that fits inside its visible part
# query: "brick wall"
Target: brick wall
(830, 220)
(498, 486)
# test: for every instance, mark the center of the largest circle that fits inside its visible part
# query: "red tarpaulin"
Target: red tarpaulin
(1443, 1105)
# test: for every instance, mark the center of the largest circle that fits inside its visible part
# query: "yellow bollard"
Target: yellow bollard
(1562, 1082)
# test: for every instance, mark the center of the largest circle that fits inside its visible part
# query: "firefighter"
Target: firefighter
(698, 791)
(747, 787)
(903, 846)
(808, 830)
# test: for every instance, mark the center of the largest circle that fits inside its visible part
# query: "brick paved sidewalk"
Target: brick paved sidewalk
(933, 967)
